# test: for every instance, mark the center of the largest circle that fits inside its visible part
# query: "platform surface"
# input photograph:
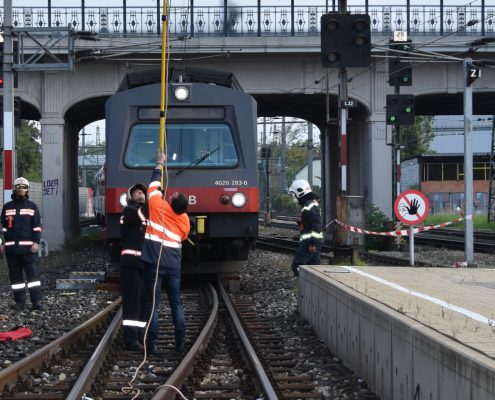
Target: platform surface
(457, 302)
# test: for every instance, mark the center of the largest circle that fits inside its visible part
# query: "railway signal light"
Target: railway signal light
(399, 72)
(345, 40)
(266, 152)
(400, 109)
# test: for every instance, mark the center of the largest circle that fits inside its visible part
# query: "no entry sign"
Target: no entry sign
(411, 207)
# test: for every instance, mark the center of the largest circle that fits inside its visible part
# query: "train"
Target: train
(211, 158)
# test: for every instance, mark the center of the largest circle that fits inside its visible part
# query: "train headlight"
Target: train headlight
(123, 199)
(239, 200)
(181, 93)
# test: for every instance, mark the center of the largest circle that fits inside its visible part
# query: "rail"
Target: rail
(257, 20)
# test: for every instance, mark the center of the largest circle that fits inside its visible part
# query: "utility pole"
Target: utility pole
(491, 182)
(283, 161)
(468, 71)
(83, 167)
(8, 104)
(310, 154)
(343, 93)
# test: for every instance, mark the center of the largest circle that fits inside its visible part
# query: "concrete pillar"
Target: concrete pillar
(379, 190)
(53, 182)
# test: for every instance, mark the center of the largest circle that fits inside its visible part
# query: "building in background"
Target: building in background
(441, 178)
(302, 173)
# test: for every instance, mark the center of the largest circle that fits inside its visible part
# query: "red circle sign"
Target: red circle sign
(411, 207)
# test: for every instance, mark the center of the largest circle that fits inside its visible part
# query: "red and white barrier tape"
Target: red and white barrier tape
(403, 232)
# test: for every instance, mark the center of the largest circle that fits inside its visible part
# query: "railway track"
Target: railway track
(286, 245)
(484, 241)
(90, 361)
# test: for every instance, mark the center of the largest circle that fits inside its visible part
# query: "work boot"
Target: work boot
(180, 345)
(134, 346)
(37, 306)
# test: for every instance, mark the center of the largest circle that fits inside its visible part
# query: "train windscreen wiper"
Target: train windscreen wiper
(197, 161)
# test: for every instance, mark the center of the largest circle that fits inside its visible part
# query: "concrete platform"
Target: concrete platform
(410, 333)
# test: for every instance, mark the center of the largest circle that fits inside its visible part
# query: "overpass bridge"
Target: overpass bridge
(275, 54)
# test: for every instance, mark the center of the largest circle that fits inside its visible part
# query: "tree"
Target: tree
(416, 138)
(28, 148)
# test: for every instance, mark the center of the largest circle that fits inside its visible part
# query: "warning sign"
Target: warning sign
(411, 207)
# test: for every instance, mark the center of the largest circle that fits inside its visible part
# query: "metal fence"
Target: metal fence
(431, 20)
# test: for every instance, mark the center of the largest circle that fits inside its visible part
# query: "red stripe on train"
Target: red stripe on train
(201, 200)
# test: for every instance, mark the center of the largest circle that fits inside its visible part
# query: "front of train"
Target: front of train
(211, 158)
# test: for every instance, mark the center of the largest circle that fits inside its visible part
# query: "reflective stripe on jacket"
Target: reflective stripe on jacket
(165, 228)
(21, 225)
(132, 227)
(310, 222)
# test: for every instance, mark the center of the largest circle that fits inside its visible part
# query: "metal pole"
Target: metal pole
(8, 105)
(343, 117)
(283, 181)
(310, 153)
(468, 165)
(267, 171)
(411, 246)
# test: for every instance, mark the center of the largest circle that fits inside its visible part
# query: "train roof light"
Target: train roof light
(181, 93)
(239, 200)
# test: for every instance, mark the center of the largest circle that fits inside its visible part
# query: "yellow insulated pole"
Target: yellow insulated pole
(163, 81)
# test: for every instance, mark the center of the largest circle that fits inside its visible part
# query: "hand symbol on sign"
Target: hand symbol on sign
(413, 209)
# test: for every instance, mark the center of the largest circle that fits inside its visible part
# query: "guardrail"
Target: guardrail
(257, 20)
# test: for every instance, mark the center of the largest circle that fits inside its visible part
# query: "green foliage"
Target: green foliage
(416, 138)
(375, 221)
(479, 221)
(28, 147)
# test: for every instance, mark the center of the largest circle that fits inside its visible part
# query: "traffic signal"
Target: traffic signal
(345, 40)
(472, 73)
(399, 71)
(400, 109)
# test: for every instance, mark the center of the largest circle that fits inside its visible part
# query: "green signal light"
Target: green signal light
(405, 78)
(393, 118)
(408, 109)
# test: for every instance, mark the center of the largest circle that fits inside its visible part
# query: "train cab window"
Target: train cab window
(198, 145)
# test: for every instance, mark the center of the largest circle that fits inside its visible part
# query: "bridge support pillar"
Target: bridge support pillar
(55, 172)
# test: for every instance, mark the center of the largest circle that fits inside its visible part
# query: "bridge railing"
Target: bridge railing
(431, 20)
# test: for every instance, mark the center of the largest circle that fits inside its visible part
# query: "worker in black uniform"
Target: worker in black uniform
(310, 226)
(21, 226)
(133, 226)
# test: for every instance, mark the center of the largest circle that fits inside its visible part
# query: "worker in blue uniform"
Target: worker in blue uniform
(310, 226)
(132, 228)
(21, 227)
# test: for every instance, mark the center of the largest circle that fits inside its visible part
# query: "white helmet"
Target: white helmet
(299, 188)
(21, 181)
(139, 186)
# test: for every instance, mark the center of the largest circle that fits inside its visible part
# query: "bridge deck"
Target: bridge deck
(407, 329)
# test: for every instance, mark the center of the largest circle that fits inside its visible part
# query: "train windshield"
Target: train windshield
(188, 145)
